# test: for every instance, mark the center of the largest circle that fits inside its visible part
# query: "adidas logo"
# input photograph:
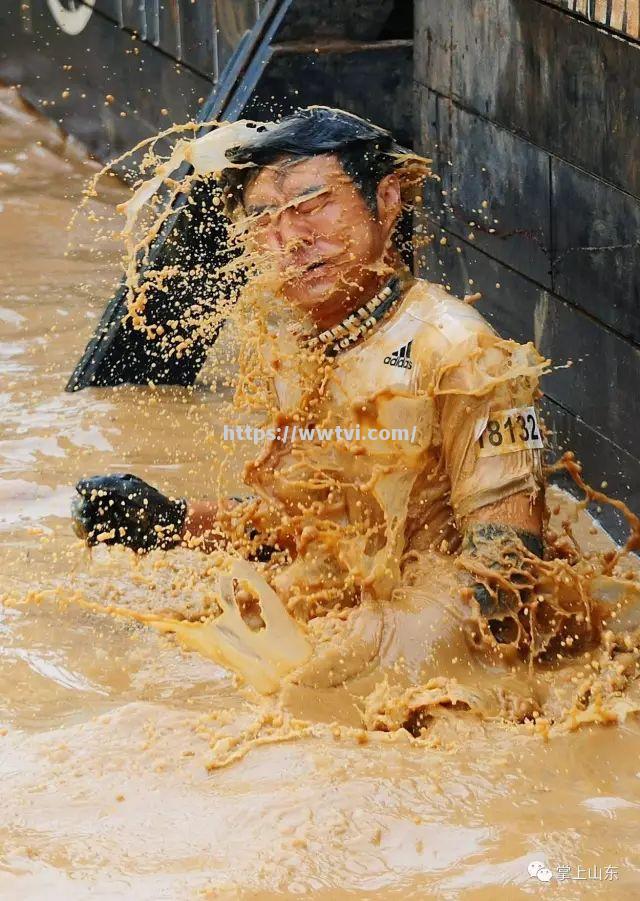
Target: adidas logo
(401, 357)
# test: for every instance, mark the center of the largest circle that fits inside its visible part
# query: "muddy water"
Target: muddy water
(132, 770)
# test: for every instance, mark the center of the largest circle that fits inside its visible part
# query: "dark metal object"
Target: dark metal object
(624, 20)
(118, 353)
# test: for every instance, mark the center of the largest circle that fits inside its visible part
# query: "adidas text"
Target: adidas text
(401, 357)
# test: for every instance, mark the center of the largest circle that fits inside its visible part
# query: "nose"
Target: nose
(285, 232)
(291, 228)
(269, 237)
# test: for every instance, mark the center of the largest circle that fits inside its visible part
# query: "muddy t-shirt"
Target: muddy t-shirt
(413, 456)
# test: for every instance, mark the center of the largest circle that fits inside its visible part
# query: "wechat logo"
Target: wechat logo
(539, 870)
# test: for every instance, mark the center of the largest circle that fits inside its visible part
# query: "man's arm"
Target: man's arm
(209, 522)
(483, 376)
(201, 519)
(518, 513)
(493, 539)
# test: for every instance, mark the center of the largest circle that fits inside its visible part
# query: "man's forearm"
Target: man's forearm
(208, 523)
(517, 512)
(211, 517)
(201, 519)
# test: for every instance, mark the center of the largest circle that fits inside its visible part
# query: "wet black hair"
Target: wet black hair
(364, 149)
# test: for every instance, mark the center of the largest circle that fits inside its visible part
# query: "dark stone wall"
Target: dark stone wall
(531, 115)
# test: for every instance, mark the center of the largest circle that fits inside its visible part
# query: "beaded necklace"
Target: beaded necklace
(357, 324)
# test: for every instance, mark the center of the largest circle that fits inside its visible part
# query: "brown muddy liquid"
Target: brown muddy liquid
(131, 769)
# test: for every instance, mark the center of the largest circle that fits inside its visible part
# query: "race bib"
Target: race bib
(508, 431)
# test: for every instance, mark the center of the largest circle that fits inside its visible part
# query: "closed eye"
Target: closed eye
(312, 204)
(261, 214)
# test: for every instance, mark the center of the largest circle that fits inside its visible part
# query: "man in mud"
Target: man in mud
(360, 342)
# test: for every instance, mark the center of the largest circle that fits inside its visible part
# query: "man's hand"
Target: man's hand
(123, 509)
(499, 557)
(498, 537)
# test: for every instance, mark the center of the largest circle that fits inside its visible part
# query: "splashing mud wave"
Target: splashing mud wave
(407, 752)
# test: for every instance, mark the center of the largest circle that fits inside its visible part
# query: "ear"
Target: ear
(389, 201)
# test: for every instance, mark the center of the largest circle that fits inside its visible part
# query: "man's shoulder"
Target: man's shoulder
(455, 320)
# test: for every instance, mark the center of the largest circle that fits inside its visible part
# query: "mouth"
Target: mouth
(297, 268)
(309, 272)
(319, 267)
(297, 272)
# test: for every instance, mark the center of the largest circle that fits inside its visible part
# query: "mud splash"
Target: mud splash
(329, 557)
(397, 762)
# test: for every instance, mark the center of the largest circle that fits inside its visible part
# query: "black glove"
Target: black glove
(122, 509)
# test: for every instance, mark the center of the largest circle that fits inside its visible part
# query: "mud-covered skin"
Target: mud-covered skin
(124, 509)
(483, 540)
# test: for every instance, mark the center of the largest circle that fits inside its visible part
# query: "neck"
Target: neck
(334, 308)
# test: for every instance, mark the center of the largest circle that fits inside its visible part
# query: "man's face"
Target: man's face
(311, 220)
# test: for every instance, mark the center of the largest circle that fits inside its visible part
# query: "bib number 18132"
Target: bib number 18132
(508, 431)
